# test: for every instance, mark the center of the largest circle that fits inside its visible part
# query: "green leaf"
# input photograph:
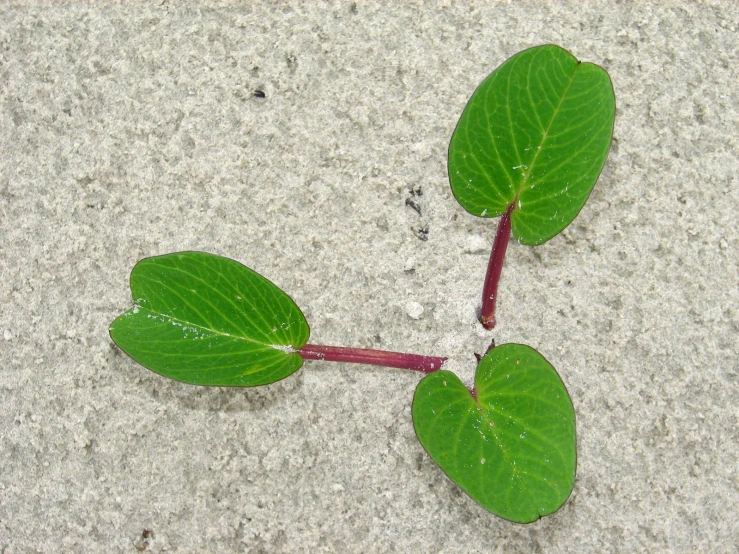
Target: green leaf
(535, 134)
(208, 320)
(513, 449)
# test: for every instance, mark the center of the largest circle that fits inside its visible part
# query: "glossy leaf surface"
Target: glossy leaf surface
(208, 320)
(513, 450)
(536, 133)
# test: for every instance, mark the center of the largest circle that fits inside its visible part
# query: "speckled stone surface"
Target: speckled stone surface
(129, 130)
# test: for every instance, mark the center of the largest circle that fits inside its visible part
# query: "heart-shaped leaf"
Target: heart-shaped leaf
(513, 448)
(535, 134)
(208, 320)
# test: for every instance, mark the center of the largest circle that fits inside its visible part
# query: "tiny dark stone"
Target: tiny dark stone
(413, 204)
(421, 233)
(260, 94)
(146, 538)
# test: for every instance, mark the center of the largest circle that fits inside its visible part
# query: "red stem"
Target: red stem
(415, 362)
(495, 266)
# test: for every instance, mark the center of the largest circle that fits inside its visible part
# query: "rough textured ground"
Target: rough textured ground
(133, 130)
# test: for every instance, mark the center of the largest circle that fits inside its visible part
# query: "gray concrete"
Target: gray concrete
(132, 130)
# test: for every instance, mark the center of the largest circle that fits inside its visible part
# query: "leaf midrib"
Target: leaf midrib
(214, 331)
(527, 173)
(507, 458)
(471, 409)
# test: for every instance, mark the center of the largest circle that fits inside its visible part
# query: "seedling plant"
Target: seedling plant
(528, 149)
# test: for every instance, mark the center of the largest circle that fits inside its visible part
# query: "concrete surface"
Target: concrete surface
(129, 130)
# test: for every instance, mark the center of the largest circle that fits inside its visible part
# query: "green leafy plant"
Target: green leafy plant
(528, 148)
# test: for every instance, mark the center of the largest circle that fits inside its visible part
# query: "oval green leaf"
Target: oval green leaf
(513, 449)
(208, 320)
(535, 134)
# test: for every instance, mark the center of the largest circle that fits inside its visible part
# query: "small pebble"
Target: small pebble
(414, 310)
(475, 244)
